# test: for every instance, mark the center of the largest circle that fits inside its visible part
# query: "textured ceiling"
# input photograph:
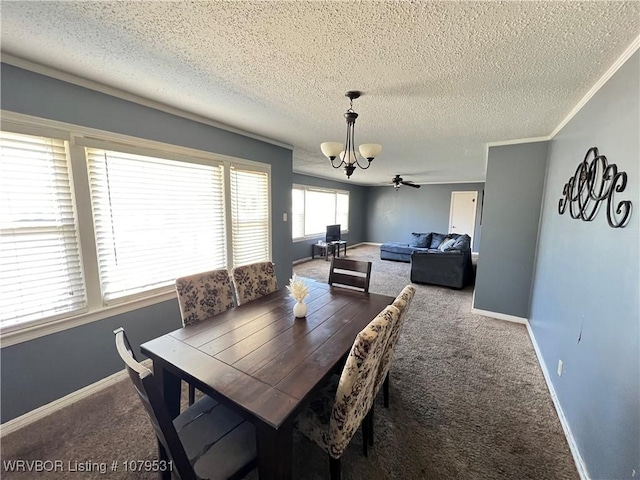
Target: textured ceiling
(441, 79)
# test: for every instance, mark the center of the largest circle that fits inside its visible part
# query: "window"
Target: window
(40, 266)
(94, 224)
(249, 216)
(314, 209)
(155, 220)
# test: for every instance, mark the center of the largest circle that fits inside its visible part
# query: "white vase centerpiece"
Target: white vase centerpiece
(298, 290)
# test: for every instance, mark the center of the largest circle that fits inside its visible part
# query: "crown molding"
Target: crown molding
(630, 50)
(351, 183)
(519, 140)
(130, 97)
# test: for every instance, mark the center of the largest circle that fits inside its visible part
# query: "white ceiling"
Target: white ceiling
(441, 79)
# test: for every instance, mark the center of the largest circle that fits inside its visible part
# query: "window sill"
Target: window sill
(30, 332)
(319, 236)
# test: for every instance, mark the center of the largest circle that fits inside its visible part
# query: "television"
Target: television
(333, 233)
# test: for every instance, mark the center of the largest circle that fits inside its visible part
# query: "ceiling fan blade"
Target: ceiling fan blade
(409, 184)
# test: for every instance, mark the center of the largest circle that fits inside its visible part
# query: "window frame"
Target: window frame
(77, 137)
(334, 191)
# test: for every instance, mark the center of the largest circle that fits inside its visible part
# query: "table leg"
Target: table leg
(275, 449)
(169, 386)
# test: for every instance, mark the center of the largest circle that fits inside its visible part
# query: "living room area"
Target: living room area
(536, 268)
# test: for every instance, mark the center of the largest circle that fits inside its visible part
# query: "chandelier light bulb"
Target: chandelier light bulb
(331, 149)
(370, 150)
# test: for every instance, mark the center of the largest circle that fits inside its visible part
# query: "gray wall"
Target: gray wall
(394, 215)
(39, 371)
(585, 303)
(357, 213)
(513, 195)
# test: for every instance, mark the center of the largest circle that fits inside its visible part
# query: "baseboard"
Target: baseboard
(45, 410)
(499, 316)
(301, 260)
(577, 458)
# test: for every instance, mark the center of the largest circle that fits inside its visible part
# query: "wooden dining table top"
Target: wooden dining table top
(261, 358)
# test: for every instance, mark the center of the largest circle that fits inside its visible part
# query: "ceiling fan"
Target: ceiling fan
(397, 181)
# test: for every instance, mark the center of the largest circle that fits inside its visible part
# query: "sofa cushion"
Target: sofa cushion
(436, 240)
(397, 248)
(447, 244)
(420, 240)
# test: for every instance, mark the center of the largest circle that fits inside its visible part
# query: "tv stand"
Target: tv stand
(325, 248)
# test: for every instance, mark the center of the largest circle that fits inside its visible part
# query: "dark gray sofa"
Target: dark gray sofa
(433, 259)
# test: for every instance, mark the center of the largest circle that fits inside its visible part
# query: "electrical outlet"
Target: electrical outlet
(560, 364)
(284, 217)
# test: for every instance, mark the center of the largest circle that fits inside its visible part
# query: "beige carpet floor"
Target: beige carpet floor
(468, 401)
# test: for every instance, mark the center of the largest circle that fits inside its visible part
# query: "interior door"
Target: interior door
(462, 218)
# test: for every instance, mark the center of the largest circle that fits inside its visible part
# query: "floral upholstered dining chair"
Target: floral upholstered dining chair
(254, 281)
(402, 303)
(201, 296)
(204, 295)
(334, 414)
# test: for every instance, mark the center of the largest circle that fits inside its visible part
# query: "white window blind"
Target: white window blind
(155, 220)
(249, 216)
(313, 209)
(40, 266)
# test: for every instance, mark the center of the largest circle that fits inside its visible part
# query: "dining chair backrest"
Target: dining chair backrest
(351, 273)
(254, 281)
(204, 295)
(153, 403)
(355, 392)
(402, 303)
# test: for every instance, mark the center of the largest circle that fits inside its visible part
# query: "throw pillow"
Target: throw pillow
(436, 240)
(419, 240)
(462, 242)
(447, 244)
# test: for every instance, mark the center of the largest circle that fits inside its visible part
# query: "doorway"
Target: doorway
(462, 217)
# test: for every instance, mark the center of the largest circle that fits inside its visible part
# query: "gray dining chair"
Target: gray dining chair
(254, 281)
(201, 296)
(336, 411)
(205, 441)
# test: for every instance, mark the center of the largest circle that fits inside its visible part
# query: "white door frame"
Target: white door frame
(475, 212)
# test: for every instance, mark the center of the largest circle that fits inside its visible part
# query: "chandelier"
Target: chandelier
(347, 152)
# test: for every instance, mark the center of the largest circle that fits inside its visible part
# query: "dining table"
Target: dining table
(263, 362)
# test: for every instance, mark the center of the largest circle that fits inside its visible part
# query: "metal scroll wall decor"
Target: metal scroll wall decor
(595, 181)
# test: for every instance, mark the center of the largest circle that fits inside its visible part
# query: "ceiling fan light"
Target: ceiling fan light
(331, 149)
(370, 150)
